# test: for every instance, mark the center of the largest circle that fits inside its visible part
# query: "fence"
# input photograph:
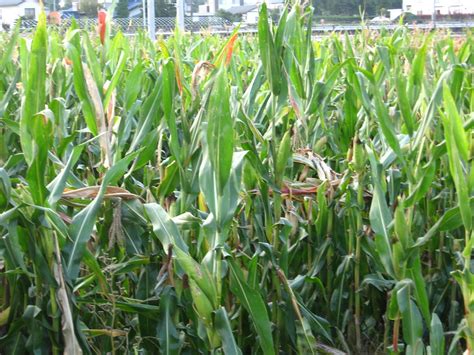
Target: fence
(133, 25)
(218, 25)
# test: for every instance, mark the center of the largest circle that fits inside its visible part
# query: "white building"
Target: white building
(12, 10)
(441, 7)
(247, 8)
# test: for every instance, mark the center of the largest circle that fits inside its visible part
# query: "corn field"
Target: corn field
(267, 194)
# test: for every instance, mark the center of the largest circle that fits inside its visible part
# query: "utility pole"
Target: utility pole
(151, 19)
(180, 14)
(433, 15)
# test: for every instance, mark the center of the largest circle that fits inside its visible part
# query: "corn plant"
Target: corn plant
(269, 193)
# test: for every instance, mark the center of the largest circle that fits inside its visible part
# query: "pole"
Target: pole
(144, 14)
(433, 16)
(192, 13)
(180, 14)
(151, 19)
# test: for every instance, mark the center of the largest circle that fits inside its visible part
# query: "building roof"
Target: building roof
(4, 3)
(380, 19)
(235, 10)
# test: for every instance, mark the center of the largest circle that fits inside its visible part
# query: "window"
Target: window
(30, 13)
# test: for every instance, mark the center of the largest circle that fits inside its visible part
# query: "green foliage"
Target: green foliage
(229, 16)
(164, 8)
(121, 11)
(89, 7)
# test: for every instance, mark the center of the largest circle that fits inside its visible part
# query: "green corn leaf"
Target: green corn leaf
(9, 244)
(133, 86)
(10, 47)
(284, 153)
(224, 329)
(81, 90)
(7, 96)
(35, 90)
(450, 220)
(268, 53)
(169, 85)
(404, 104)
(423, 186)
(5, 187)
(221, 205)
(150, 108)
(380, 216)
(220, 133)
(253, 303)
(92, 61)
(418, 70)
(115, 80)
(57, 186)
(200, 274)
(401, 230)
(41, 130)
(386, 125)
(164, 227)
(148, 324)
(306, 342)
(421, 296)
(437, 340)
(169, 180)
(456, 145)
(456, 127)
(427, 118)
(318, 324)
(411, 317)
(202, 304)
(167, 332)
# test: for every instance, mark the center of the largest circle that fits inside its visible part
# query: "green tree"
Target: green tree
(229, 16)
(122, 9)
(88, 7)
(67, 4)
(164, 9)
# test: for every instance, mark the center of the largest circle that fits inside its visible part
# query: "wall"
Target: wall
(9, 14)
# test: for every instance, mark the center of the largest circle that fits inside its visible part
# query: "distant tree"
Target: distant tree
(67, 4)
(275, 15)
(229, 16)
(52, 4)
(122, 9)
(88, 7)
(193, 5)
(164, 9)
